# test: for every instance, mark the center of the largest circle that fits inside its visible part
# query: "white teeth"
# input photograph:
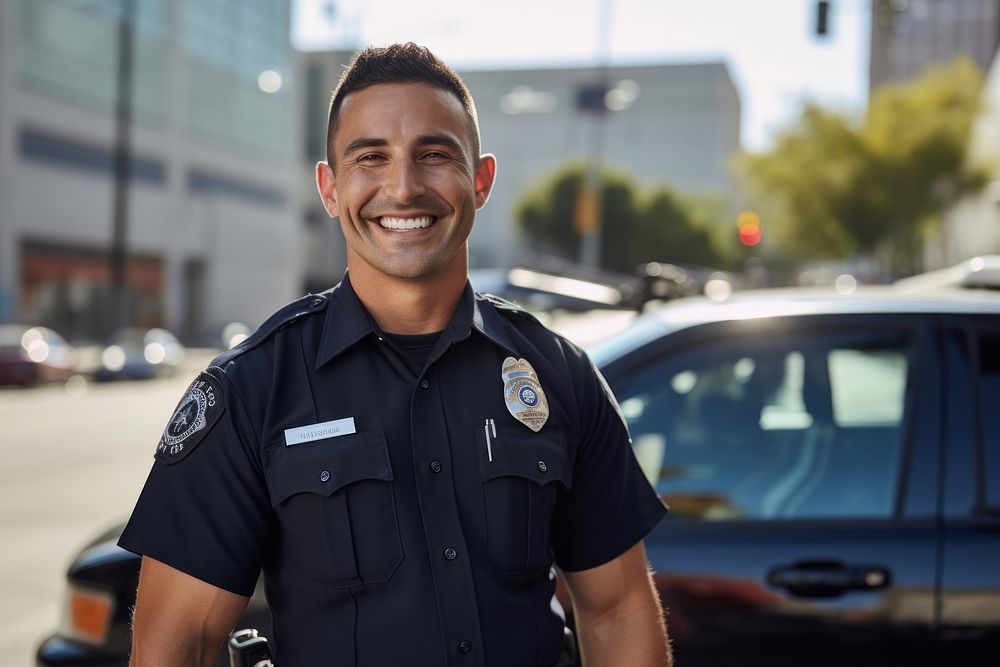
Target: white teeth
(406, 223)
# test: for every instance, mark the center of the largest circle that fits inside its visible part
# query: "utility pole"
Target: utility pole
(118, 257)
(589, 214)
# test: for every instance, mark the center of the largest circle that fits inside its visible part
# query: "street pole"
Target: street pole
(591, 217)
(118, 257)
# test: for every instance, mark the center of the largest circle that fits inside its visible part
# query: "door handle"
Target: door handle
(828, 578)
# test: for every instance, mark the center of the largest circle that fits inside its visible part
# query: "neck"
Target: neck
(409, 306)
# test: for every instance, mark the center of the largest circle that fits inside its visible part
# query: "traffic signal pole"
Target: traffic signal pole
(118, 256)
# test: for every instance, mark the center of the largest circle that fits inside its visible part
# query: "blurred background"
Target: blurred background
(157, 197)
(156, 165)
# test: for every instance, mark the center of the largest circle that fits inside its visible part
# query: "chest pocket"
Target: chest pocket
(335, 504)
(520, 487)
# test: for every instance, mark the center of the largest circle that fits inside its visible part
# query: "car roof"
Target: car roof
(791, 302)
(756, 304)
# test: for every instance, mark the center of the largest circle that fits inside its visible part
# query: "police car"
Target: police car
(832, 463)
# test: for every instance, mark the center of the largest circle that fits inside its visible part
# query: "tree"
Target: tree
(636, 228)
(833, 186)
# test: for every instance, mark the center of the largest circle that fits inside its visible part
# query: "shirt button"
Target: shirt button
(324, 476)
(450, 554)
(465, 647)
(424, 383)
(542, 466)
(435, 466)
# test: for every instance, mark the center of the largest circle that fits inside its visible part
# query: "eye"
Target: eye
(370, 158)
(435, 155)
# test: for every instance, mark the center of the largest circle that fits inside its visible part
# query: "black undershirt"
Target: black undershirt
(414, 348)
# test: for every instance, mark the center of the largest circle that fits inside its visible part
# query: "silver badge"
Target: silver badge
(522, 392)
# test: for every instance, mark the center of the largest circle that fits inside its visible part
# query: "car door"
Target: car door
(970, 576)
(797, 456)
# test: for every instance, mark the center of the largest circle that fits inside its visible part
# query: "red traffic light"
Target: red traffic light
(748, 224)
(750, 234)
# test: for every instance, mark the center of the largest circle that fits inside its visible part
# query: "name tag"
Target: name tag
(296, 436)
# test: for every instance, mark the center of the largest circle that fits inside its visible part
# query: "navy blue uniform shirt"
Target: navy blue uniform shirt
(401, 516)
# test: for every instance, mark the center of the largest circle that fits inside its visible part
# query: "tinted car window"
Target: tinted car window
(807, 428)
(989, 400)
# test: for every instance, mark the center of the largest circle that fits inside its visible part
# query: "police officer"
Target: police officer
(403, 459)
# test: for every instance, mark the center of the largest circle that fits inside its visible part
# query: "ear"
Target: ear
(486, 172)
(326, 183)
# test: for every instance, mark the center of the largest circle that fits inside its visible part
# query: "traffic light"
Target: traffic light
(822, 18)
(748, 224)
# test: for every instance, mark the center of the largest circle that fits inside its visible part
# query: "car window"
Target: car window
(805, 428)
(989, 399)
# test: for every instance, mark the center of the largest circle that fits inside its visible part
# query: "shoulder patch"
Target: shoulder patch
(200, 407)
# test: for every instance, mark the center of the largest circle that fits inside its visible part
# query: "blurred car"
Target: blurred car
(833, 468)
(139, 354)
(662, 282)
(557, 288)
(29, 355)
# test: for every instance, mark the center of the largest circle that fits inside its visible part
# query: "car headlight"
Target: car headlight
(155, 353)
(113, 358)
(34, 345)
(87, 615)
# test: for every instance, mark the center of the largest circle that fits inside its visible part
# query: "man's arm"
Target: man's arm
(180, 620)
(618, 616)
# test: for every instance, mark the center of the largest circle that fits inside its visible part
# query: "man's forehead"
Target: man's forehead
(390, 106)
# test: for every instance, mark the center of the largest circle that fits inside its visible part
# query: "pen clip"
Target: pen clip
(489, 445)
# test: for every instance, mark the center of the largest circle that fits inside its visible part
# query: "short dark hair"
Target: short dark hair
(400, 63)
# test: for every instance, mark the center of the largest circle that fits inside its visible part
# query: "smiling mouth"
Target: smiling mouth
(421, 222)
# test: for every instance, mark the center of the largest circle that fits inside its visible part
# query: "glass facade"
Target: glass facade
(226, 45)
(69, 49)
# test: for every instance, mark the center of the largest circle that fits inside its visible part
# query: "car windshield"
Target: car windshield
(642, 331)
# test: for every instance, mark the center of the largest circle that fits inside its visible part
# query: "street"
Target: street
(72, 466)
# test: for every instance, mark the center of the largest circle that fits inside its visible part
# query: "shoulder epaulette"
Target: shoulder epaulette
(501, 303)
(307, 305)
(505, 306)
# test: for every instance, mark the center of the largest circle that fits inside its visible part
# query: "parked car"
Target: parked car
(29, 355)
(833, 468)
(139, 354)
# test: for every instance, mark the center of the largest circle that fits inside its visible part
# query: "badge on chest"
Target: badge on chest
(523, 393)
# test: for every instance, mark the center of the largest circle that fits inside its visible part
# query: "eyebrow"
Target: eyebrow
(364, 142)
(425, 140)
(441, 140)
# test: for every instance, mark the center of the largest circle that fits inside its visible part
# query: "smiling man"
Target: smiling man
(404, 459)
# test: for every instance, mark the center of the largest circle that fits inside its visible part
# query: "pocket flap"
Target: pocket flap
(542, 457)
(324, 466)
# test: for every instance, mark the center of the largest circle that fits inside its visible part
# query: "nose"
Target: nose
(404, 181)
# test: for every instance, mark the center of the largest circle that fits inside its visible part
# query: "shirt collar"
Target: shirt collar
(347, 321)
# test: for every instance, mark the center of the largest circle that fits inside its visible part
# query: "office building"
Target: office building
(213, 229)
(907, 36)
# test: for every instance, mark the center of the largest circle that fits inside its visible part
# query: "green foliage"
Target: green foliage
(636, 227)
(832, 187)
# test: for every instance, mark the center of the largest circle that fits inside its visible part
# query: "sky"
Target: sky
(770, 47)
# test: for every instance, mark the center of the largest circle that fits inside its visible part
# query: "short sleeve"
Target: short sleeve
(206, 511)
(611, 505)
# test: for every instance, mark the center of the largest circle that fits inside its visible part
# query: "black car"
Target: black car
(833, 468)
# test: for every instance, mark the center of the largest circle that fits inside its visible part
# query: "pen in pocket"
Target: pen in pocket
(490, 425)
